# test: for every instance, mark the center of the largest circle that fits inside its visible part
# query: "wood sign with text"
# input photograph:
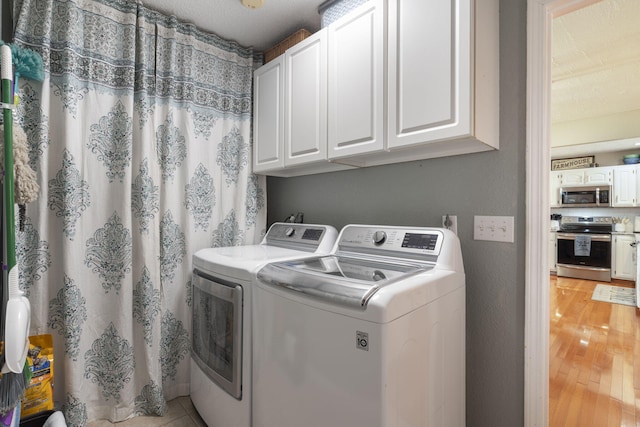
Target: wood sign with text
(572, 163)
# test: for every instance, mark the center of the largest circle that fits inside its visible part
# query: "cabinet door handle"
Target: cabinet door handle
(633, 244)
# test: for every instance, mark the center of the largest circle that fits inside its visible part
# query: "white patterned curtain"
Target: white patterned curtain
(140, 136)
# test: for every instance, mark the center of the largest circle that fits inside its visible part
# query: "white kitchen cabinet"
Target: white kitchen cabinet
(587, 176)
(443, 76)
(305, 124)
(290, 111)
(624, 186)
(572, 177)
(555, 183)
(356, 81)
(268, 116)
(553, 252)
(406, 80)
(623, 257)
(596, 176)
(442, 81)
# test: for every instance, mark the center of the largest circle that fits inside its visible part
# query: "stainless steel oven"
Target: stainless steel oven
(217, 331)
(584, 248)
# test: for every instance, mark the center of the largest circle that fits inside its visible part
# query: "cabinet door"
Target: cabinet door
(356, 81)
(268, 116)
(623, 257)
(555, 179)
(305, 121)
(572, 178)
(598, 176)
(430, 71)
(624, 185)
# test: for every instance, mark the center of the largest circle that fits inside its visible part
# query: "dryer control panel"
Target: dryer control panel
(300, 236)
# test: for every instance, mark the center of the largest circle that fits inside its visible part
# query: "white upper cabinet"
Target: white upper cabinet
(624, 181)
(306, 101)
(597, 176)
(356, 81)
(397, 81)
(572, 177)
(443, 76)
(268, 116)
(425, 67)
(587, 176)
(290, 112)
(432, 74)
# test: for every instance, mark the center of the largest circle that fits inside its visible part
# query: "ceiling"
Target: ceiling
(596, 62)
(260, 28)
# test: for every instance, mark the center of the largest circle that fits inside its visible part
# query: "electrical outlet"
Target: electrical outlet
(493, 228)
(450, 222)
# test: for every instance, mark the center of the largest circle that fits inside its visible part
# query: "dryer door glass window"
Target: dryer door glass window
(217, 331)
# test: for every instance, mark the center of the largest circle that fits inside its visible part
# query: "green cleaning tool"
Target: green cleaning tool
(16, 306)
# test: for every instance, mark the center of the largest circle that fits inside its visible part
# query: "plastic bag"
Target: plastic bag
(39, 392)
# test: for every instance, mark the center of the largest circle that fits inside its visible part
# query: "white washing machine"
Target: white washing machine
(372, 334)
(221, 333)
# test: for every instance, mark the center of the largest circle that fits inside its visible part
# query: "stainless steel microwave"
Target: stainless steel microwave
(586, 196)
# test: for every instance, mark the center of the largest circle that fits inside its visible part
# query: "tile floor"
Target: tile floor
(181, 413)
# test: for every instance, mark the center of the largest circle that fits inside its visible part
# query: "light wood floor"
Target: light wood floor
(594, 358)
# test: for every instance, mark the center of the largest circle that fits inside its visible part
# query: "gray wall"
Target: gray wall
(419, 193)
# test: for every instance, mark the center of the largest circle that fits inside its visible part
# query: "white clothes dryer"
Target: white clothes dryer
(221, 333)
(372, 334)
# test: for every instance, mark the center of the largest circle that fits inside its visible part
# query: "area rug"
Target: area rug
(614, 294)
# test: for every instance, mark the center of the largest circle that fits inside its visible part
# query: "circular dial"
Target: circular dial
(379, 237)
(289, 231)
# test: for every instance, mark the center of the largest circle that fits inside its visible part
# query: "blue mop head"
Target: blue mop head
(26, 63)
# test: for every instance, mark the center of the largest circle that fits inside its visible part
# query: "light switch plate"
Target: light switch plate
(493, 228)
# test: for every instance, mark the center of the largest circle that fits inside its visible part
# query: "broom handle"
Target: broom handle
(8, 231)
(10, 237)
(9, 197)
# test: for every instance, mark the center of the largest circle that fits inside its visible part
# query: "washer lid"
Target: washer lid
(240, 261)
(340, 280)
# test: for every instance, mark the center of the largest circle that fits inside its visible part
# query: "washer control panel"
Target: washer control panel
(403, 240)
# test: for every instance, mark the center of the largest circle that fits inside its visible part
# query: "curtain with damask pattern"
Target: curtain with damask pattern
(140, 137)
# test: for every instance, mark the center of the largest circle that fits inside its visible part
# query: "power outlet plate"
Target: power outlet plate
(452, 224)
(493, 228)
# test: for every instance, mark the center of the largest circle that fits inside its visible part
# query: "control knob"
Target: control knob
(379, 237)
(289, 232)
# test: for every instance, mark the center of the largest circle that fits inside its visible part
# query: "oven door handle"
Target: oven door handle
(594, 237)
